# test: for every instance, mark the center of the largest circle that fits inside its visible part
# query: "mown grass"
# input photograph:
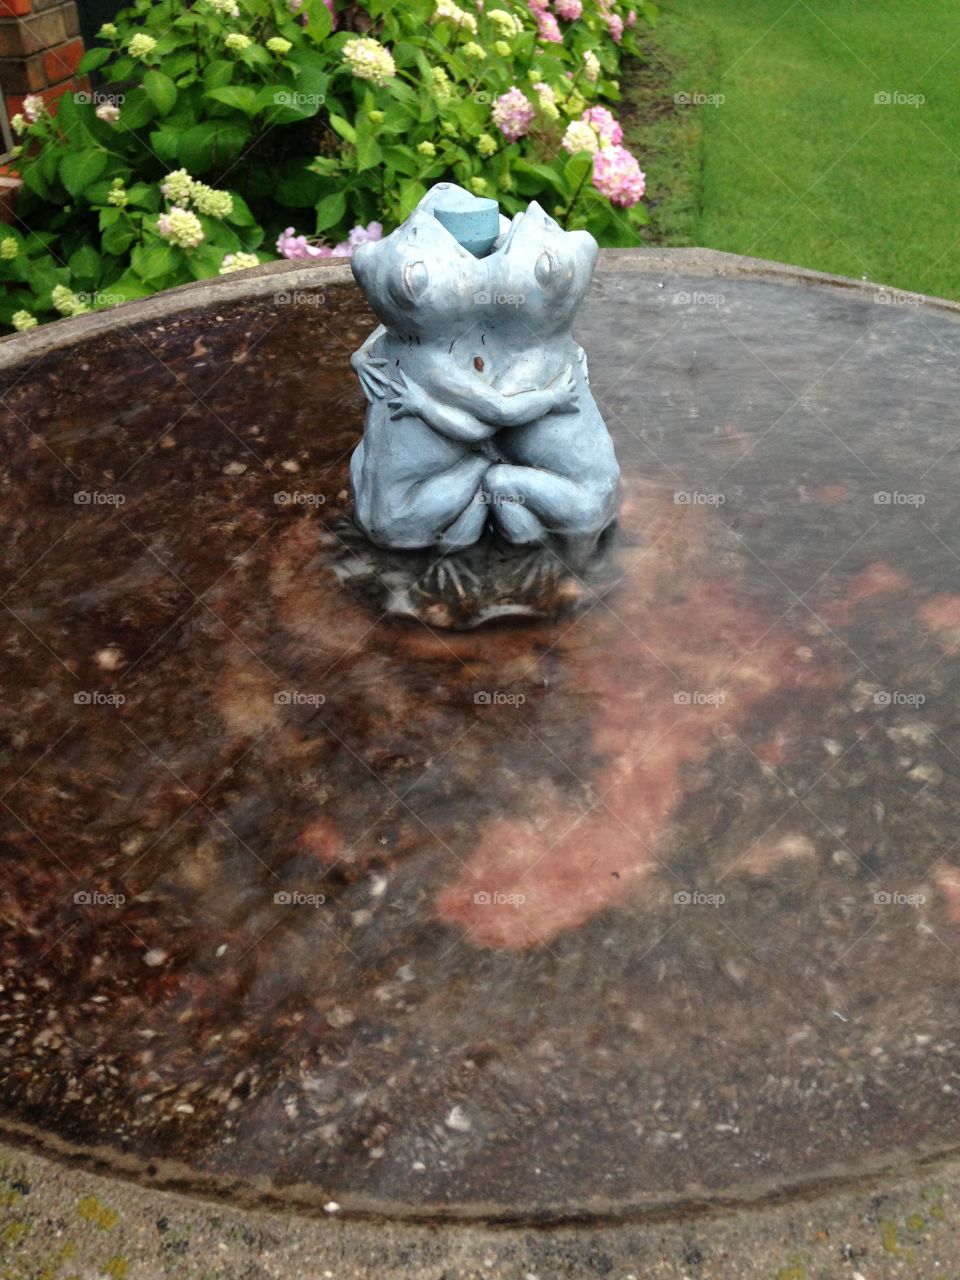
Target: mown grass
(794, 158)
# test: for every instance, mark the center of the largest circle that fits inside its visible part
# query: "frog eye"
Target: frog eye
(552, 275)
(411, 283)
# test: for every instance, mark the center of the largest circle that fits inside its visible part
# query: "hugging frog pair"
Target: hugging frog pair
(479, 406)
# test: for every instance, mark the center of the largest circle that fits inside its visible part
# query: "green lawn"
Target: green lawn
(799, 162)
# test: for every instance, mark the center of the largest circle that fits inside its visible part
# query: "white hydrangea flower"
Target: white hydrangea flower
(215, 204)
(580, 136)
(141, 45)
(23, 320)
(177, 186)
(506, 23)
(591, 66)
(367, 59)
(235, 40)
(448, 11)
(238, 262)
(181, 227)
(108, 111)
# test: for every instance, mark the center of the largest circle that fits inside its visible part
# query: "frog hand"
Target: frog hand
(369, 370)
(405, 398)
(582, 357)
(564, 388)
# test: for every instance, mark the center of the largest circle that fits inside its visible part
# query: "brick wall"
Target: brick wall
(40, 47)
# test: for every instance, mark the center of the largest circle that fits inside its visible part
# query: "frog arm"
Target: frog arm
(582, 357)
(369, 366)
(409, 398)
(492, 407)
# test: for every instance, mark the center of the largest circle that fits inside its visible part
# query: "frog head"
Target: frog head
(419, 280)
(542, 271)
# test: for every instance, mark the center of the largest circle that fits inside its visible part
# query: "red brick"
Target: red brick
(14, 8)
(22, 75)
(49, 96)
(33, 35)
(9, 186)
(61, 63)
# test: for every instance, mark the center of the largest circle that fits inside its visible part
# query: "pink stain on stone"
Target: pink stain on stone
(941, 615)
(532, 877)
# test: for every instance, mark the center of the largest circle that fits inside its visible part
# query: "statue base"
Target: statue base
(490, 581)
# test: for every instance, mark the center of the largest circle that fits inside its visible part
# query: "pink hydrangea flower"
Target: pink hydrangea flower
(513, 114)
(32, 108)
(298, 248)
(605, 123)
(548, 27)
(569, 10)
(632, 18)
(614, 26)
(618, 176)
(537, 7)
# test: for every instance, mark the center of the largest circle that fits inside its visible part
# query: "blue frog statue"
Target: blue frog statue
(479, 406)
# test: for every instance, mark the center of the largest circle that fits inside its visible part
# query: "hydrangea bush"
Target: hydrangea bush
(235, 131)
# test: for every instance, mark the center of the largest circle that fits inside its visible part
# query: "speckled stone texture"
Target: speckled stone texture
(649, 906)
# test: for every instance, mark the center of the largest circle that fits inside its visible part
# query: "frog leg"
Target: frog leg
(523, 498)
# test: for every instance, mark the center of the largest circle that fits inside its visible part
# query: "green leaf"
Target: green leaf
(298, 188)
(128, 286)
(78, 169)
(118, 238)
(156, 260)
(161, 91)
(211, 145)
(217, 73)
(542, 172)
(239, 96)
(368, 149)
(85, 264)
(241, 215)
(93, 59)
(331, 210)
(165, 142)
(137, 109)
(343, 127)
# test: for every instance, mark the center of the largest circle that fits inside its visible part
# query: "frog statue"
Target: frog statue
(479, 407)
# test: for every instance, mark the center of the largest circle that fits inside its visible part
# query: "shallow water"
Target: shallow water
(649, 902)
